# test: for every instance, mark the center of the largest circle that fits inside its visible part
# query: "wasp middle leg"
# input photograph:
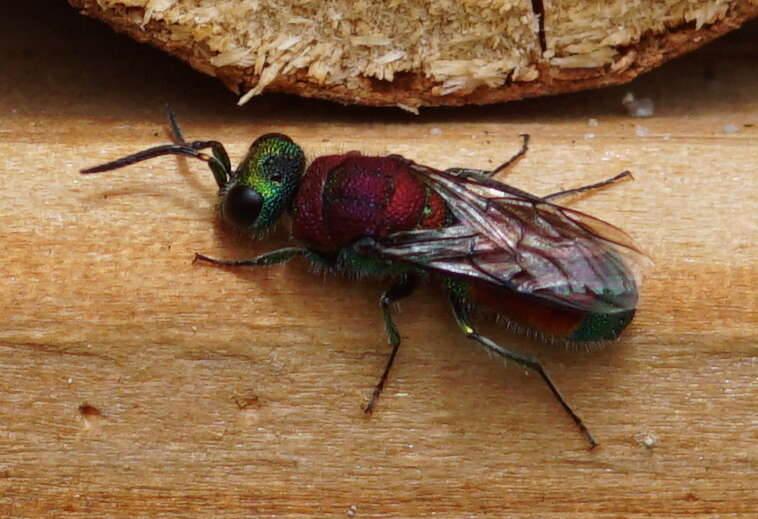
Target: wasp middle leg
(479, 174)
(402, 289)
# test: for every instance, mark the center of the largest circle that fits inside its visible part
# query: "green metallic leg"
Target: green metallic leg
(479, 174)
(270, 258)
(590, 187)
(464, 322)
(403, 288)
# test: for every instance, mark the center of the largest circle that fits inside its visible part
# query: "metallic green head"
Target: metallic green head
(254, 196)
(264, 183)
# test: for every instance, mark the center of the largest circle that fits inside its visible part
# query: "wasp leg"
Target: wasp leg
(403, 288)
(462, 317)
(590, 187)
(479, 174)
(270, 258)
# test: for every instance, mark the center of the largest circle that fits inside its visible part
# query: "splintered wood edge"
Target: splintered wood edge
(411, 90)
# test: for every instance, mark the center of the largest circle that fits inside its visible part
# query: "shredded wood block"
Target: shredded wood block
(415, 53)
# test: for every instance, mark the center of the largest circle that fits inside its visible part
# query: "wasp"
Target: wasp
(557, 272)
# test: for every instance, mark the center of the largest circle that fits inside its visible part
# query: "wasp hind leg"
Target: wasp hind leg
(479, 174)
(460, 311)
(401, 289)
(270, 258)
(590, 187)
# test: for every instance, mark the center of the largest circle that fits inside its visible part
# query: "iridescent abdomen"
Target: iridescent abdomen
(560, 322)
(343, 198)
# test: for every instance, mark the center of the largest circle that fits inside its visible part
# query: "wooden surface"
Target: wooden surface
(134, 384)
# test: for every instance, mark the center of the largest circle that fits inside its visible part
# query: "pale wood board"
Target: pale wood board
(102, 306)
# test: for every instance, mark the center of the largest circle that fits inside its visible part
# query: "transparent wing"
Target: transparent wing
(519, 241)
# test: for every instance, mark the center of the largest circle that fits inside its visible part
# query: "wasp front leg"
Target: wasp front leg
(403, 288)
(270, 258)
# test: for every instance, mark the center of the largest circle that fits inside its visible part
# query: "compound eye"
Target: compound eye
(241, 205)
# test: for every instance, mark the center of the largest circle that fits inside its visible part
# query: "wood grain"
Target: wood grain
(211, 393)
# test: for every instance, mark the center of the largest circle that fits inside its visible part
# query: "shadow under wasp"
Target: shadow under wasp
(555, 272)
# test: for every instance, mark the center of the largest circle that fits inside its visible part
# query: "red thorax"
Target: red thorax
(346, 197)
